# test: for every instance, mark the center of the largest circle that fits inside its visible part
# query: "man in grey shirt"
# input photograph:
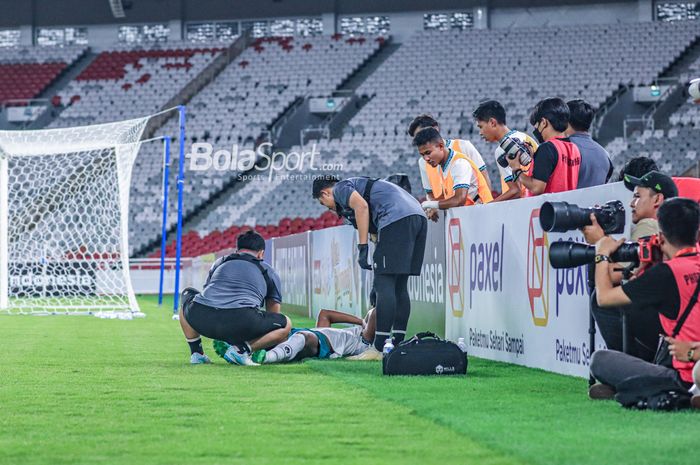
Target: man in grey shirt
(375, 206)
(229, 307)
(596, 167)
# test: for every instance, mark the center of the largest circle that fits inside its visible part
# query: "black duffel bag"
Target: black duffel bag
(425, 354)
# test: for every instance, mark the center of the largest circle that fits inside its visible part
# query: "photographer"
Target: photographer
(557, 160)
(650, 191)
(667, 289)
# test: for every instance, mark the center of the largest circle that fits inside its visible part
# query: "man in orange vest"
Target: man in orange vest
(447, 176)
(668, 289)
(462, 146)
(557, 161)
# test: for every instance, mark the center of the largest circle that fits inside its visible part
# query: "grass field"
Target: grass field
(81, 390)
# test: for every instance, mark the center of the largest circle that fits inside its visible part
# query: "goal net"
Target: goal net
(64, 209)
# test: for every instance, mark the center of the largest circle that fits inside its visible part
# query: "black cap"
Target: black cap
(658, 182)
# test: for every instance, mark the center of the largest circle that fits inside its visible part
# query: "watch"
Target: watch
(516, 174)
(601, 258)
(691, 352)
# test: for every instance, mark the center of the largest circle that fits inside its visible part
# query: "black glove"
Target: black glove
(362, 259)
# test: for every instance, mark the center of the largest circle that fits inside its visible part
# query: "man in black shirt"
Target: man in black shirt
(557, 160)
(665, 288)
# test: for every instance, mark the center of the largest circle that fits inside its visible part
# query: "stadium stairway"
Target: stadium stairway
(612, 114)
(59, 84)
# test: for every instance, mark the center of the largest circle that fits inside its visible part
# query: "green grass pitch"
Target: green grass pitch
(81, 390)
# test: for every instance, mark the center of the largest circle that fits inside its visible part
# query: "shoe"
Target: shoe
(233, 354)
(370, 354)
(601, 391)
(199, 359)
(220, 347)
(259, 356)
(696, 374)
(695, 402)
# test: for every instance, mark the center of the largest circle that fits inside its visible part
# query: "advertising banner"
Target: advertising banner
(52, 279)
(503, 296)
(290, 258)
(336, 277)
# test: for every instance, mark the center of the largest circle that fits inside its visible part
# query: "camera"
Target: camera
(563, 216)
(570, 254)
(513, 148)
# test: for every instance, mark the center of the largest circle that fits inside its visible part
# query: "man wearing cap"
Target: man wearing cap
(649, 192)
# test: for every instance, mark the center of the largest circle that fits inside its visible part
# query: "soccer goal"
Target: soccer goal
(64, 219)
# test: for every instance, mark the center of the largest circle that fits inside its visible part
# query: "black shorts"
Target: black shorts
(233, 325)
(401, 246)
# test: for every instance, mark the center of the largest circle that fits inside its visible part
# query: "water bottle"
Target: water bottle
(388, 347)
(462, 345)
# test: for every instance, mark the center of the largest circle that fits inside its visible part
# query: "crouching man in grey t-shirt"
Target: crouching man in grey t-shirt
(229, 309)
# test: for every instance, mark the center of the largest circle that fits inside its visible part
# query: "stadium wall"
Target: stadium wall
(492, 284)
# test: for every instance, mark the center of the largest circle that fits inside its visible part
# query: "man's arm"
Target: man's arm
(513, 192)
(535, 186)
(358, 204)
(272, 306)
(545, 161)
(456, 200)
(326, 318)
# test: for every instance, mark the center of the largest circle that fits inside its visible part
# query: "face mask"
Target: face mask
(538, 135)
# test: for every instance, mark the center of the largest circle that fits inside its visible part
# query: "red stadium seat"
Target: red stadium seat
(688, 187)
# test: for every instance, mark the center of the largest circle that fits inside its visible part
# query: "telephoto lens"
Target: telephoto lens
(570, 254)
(563, 217)
(513, 148)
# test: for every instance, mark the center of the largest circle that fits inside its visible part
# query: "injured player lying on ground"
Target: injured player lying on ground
(323, 341)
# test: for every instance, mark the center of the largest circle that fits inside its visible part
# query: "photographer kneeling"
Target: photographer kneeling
(650, 191)
(668, 289)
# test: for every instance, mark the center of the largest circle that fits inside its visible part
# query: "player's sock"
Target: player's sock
(385, 285)
(286, 351)
(403, 309)
(379, 339)
(398, 336)
(196, 345)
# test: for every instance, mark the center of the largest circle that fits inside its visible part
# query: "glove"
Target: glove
(362, 259)
(430, 204)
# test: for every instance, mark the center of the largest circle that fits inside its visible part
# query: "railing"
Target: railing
(277, 126)
(646, 121)
(324, 128)
(605, 109)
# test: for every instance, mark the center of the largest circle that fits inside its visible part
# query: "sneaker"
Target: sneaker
(220, 347)
(601, 391)
(199, 359)
(233, 354)
(370, 354)
(696, 374)
(259, 356)
(695, 402)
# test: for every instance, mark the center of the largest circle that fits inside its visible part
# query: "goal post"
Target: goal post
(64, 218)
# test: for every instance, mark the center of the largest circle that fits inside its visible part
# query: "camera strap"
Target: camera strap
(691, 303)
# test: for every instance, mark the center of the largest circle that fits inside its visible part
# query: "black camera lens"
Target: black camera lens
(563, 216)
